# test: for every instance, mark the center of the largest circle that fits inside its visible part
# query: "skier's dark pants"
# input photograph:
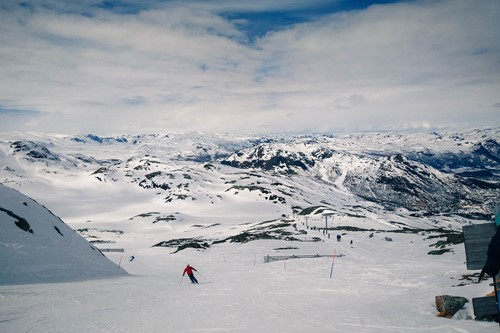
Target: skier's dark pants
(193, 279)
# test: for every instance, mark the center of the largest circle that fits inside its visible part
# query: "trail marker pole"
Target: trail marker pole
(120, 263)
(497, 224)
(333, 261)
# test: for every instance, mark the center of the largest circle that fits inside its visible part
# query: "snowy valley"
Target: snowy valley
(223, 203)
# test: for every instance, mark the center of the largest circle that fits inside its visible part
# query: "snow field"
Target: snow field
(377, 286)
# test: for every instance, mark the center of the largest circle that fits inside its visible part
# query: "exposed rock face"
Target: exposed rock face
(418, 179)
(449, 305)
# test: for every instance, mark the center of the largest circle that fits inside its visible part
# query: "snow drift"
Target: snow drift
(36, 246)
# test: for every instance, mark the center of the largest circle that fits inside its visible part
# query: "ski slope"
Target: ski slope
(377, 286)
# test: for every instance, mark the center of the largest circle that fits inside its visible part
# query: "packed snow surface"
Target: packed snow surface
(378, 286)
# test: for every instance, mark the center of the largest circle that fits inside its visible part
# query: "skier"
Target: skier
(189, 270)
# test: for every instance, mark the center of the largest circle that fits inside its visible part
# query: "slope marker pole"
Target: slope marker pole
(120, 263)
(333, 261)
(496, 298)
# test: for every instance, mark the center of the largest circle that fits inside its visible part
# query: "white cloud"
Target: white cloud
(187, 68)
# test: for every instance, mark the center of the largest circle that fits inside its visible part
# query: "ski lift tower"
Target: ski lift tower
(326, 215)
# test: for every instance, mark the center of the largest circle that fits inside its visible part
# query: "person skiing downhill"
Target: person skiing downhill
(189, 271)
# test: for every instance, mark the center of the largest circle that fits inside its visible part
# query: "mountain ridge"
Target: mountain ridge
(454, 173)
(38, 247)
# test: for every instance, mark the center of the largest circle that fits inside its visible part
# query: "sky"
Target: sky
(282, 66)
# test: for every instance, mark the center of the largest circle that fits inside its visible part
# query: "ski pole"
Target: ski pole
(182, 278)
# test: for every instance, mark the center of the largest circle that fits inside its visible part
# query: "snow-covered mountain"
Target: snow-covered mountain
(407, 174)
(430, 173)
(36, 246)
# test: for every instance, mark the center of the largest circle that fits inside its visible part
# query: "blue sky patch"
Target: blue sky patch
(259, 22)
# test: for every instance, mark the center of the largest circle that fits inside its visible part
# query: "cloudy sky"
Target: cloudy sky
(142, 66)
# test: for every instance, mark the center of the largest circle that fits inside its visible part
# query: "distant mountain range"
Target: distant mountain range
(449, 173)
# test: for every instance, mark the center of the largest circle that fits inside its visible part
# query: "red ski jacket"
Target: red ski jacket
(189, 270)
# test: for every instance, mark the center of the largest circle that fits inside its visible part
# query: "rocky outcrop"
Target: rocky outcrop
(449, 305)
